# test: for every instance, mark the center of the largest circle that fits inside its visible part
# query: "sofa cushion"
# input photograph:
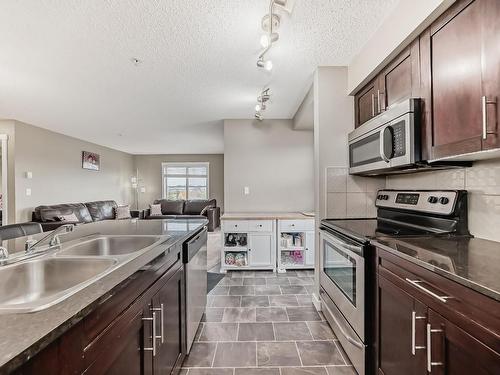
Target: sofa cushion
(71, 218)
(122, 212)
(51, 213)
(102, 210)
(195, 207)
(171, 207)
(155, 210)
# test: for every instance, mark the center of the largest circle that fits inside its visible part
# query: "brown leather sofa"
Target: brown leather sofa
(189, 209)
(48, 216)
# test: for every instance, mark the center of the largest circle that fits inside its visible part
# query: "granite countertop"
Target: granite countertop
(267, 216)
(472, 262)
(24, 334)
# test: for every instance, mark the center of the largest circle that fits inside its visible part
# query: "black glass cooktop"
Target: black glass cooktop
(364, 230)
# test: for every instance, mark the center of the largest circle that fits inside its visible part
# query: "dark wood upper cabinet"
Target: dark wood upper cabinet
(460, 78)
(365, 105)
(399, 80)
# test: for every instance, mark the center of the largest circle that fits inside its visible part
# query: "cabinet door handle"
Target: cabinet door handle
(378, 102)
(484, 110)
(414, 347)
(416, 283)
(153, 336)
(430, 331)
(161, 309)
(373, 105)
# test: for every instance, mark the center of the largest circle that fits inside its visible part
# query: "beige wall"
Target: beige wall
(149, 167)
(408, 19)
(273, 160)
(58, 176)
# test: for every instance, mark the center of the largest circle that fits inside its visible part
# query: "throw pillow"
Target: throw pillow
(122, 212)
(69, 218)
(155, 210)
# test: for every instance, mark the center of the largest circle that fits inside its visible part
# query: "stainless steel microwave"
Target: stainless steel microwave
(388, 142)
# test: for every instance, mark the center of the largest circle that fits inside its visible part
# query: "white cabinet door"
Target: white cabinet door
(309, 247)
(260, 249)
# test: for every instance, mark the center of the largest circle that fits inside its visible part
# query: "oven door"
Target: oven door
(342, 277)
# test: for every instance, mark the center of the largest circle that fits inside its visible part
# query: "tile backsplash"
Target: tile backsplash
(351, 196)
(354, 196)
(482, 181)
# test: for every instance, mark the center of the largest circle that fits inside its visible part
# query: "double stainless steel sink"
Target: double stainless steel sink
(43, 280)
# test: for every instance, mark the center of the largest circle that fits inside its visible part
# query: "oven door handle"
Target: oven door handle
(353, 248)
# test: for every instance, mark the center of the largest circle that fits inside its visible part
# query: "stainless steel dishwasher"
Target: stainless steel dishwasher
(194, 257)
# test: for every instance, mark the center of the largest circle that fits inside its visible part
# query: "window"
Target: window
(185, 180)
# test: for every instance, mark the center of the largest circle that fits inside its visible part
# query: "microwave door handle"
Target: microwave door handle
(382, 146)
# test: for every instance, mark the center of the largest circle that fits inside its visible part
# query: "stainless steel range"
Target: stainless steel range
(347, 259)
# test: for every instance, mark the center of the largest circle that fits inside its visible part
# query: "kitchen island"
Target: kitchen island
(99, 327)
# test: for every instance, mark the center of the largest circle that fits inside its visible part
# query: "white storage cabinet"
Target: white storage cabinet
(295, 243)
(248, 245)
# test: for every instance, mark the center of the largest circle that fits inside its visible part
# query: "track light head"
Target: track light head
(258, 116)
(266, 64)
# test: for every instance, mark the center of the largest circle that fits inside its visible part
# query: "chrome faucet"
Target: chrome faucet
(52, 238)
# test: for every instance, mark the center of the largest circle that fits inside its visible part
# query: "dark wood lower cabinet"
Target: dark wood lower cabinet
(168, 303)
(417, 333)
(125, 341)
(400, 318)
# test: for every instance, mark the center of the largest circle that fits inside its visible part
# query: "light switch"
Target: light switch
(246, 190)
(28, 192)
(29, 175)
(143, 189)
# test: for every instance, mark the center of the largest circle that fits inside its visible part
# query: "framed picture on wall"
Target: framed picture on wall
(91, 161)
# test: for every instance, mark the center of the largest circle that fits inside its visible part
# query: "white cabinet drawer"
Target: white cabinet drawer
(296, 225)
(260, 226)
(235, 226)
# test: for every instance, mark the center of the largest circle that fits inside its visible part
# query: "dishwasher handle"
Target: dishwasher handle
(192, 246)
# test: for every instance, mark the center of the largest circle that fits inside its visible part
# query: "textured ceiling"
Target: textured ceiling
(65, 65)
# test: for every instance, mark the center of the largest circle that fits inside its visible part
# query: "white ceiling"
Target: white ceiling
(65, 65)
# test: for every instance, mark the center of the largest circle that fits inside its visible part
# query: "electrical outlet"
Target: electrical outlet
(246, 190)
(28, 192)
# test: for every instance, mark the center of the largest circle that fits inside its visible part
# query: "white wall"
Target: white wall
(58, 176)
(333, 120)
(408, 19)
(273, 160)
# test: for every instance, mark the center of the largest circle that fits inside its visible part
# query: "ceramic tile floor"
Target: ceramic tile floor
(263, 323)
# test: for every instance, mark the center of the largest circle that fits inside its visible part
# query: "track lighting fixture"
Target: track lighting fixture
(267, 64)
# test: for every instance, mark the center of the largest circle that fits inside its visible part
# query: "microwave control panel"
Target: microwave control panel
(399, 139)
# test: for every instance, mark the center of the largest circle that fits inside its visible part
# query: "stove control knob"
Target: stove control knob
(379, 197)
(443, 200)
(432, 199)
